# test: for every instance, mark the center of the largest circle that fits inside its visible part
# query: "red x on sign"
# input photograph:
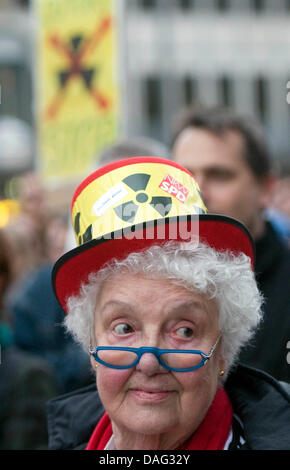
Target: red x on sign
(76, 52)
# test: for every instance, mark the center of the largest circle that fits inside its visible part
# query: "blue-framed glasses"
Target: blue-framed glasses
(178, 360)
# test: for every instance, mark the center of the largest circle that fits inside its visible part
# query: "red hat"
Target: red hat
(132, 204)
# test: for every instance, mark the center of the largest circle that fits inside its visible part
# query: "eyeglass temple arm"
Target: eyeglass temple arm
(213, 348)
(91, 348)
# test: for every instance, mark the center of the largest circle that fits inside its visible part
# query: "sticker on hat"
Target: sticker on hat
(172, 186)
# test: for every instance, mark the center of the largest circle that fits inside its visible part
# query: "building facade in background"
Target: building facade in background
(17, 152)
(213, 52)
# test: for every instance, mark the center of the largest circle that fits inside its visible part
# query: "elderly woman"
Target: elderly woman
(163, 297)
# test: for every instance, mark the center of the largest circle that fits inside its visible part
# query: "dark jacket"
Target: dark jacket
(26, 384)
(260, 403)
(270, 347)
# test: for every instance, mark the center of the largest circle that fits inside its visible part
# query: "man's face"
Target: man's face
(227, 183)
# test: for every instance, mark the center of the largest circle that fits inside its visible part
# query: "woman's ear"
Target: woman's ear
(222, 367)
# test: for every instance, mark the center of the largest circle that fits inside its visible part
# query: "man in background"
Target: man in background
(230, 160)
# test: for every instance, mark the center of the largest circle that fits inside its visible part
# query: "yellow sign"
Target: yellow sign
(77, 90)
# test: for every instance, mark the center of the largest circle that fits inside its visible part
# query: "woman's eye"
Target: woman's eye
(184, 332)
(123, 329)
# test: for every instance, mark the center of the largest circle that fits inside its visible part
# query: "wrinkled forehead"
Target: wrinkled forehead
(152, 297)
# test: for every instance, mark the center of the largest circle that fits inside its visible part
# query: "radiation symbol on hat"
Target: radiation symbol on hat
(138, 183)
(87, 236)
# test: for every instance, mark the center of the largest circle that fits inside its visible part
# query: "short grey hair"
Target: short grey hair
(139, 146)
(222, 276)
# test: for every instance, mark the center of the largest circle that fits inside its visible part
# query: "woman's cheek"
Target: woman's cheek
(194, 380)
(188, 380)
(111, 381)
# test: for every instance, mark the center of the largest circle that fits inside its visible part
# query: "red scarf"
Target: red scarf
(211, 434)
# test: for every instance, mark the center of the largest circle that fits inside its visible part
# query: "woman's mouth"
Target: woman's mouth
(151, 396)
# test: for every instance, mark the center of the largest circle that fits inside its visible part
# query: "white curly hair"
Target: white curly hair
(222, 276)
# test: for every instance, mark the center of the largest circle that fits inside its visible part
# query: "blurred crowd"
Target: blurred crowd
(38, 359)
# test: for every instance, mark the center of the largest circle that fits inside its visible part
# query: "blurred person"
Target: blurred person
(26, 382)
(26, 247)
(37, 327)
(139, 146)
(281, 198)
(55, 236)
(35, 244)
(32, 197)
(228, 156)
(38, 236)
(162, 303)
(27, 229)
(33, 205)
(278, 211)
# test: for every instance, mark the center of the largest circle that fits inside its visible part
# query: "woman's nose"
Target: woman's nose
(149, 365)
